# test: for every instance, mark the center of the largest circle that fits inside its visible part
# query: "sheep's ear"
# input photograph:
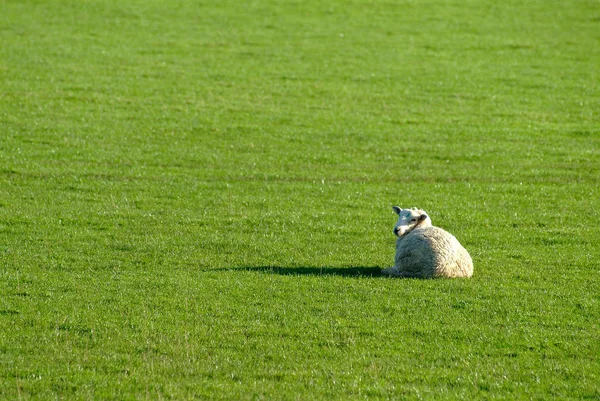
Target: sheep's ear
(397, 209)
(423, 217)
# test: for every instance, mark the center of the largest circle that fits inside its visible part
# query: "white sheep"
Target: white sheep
(425, 251)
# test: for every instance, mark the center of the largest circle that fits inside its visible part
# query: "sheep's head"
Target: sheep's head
(408, 219)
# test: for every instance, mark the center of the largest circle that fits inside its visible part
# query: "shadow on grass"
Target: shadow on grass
(317, 271)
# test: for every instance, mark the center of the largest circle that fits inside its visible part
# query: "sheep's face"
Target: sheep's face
(408, 219)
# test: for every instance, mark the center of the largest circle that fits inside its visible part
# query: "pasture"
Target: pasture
(195, 198)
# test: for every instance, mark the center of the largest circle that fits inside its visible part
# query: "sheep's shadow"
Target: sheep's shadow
(361, 271)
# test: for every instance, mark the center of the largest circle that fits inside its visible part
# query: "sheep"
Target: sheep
(425, 251)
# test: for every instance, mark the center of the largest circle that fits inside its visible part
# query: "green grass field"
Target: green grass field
(195, 198)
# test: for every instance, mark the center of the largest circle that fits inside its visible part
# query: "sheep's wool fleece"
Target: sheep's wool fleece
(432, 252)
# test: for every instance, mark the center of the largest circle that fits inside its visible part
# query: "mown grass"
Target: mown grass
(195, 199)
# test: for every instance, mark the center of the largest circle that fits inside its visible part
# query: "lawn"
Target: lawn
(195, 198)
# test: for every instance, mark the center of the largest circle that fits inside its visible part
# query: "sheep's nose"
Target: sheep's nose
(396, 230)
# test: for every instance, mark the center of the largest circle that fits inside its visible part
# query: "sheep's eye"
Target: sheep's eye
(413, 220)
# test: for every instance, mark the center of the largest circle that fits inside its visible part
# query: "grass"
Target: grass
(195, 199)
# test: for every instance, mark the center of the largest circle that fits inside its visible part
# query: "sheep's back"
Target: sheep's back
(432, 252)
